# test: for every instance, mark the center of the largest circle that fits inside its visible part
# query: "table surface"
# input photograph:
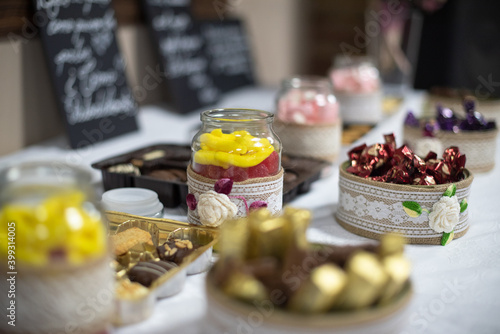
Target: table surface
(456, 288)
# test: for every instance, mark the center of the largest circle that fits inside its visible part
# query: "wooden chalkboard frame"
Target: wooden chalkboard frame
(87, 69)
(181, 50)
(229, 53)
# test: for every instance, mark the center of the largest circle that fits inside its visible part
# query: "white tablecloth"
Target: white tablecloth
(457, 287)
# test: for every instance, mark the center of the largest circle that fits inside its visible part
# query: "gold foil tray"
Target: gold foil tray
(161, 229)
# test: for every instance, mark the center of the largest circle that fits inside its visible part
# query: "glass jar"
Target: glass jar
(54, 244)
(238, 144)
(235, 166)
(307, 100)
(308, 120)
(358, 88)
(355, 75)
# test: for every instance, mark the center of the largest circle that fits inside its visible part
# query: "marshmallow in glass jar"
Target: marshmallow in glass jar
(356, 83)
(307, 118)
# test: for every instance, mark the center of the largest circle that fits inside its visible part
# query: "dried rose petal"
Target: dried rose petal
(191, 202)
(257, 205)
(223, 186)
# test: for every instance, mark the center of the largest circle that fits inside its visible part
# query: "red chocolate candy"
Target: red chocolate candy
(385, 163)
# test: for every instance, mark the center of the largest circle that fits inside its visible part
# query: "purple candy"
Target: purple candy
(430, 129)
(411, 120)
(469, 105)
(474, 121)
(479, 118)
(490, 125)
(446, 119)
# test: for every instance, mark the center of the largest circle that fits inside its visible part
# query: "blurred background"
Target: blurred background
(425, 44)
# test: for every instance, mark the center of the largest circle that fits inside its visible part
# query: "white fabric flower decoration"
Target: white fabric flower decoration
(444, 215)
(214, 208)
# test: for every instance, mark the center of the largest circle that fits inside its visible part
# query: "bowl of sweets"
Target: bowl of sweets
(472, 133)
(385, 189)
(270, 279)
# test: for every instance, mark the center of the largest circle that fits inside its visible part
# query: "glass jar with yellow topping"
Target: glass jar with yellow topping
(53, 245)
(237, 146)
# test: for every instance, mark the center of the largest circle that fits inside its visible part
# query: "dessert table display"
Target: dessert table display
(455, 288)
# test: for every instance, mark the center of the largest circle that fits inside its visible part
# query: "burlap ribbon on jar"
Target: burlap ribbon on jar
(268, 189)
(371, 208)
(63, 300)
(478, 146)
(318, 141)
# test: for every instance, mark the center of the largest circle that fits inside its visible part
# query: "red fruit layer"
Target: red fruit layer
(268, 167)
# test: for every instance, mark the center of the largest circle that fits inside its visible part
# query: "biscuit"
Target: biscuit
(129, 238)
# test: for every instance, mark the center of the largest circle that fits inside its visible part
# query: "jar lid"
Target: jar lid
(136, 201)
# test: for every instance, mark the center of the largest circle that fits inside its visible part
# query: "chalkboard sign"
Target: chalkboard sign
(87, 70)
(228, 53)
(182, 52)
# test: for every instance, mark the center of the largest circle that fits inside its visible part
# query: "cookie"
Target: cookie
(124, 241)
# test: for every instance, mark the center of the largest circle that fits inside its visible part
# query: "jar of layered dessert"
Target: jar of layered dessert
(308, 120)
(235, 166)
(54, 249)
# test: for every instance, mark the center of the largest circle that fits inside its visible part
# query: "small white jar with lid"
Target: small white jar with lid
(136, 201)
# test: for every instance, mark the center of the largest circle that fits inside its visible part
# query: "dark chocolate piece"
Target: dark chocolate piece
(163, 174)
(175, 250)
(181, 174)
(146, 273)
(169, 174)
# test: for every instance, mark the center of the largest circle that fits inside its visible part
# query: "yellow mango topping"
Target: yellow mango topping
(59, 227)
(239, 149)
